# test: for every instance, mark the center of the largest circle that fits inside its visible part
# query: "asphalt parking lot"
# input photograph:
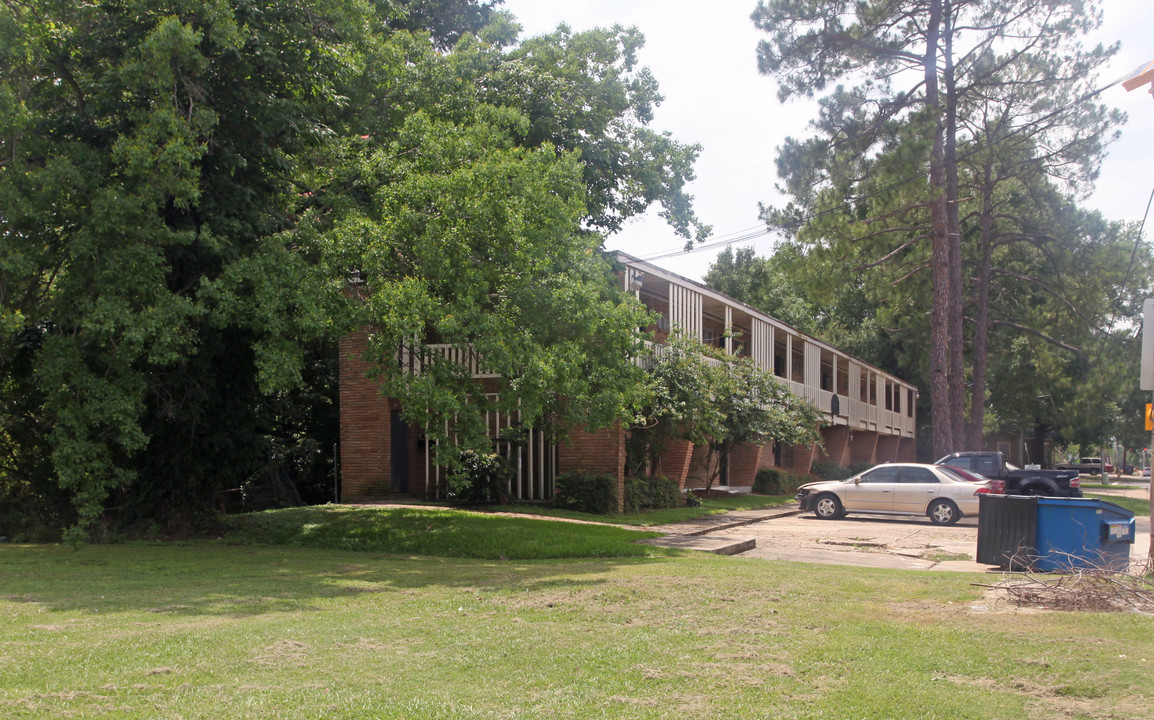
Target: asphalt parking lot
(874, 541)
(867, 541)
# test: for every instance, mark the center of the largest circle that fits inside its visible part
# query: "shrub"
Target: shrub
(481, 479)
(586, 492)
(831, 471)
(773, 481)
(651, 493)
(767, 482)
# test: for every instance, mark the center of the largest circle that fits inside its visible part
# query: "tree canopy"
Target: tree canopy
(186, 187)
(942, 179)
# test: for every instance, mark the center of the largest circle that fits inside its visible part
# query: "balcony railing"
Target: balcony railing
(414, 360)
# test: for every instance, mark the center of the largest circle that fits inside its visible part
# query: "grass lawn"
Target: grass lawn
(1138, 507)
(220, 629)
(709, 506)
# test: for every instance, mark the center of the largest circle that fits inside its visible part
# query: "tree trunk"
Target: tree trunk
(956, 373)
(940, 417)
(982, 310)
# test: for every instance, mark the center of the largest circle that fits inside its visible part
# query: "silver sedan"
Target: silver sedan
(935, 491)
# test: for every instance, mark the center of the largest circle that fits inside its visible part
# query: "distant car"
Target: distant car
(939, 493)
(1145, 472)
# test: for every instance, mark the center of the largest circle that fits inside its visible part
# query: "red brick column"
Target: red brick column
(837, 444)
(907, 450)
(767, 460)
(601, 452)
(888, 448)
(698, 473)
(744, 461)
(864, 447)
(365, 426)
(675, 460)
(803, 456)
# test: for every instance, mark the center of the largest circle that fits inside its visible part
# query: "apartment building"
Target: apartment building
(870, 414)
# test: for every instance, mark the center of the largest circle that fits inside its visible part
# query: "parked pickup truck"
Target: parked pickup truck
(1087, 465)
(1051, 483)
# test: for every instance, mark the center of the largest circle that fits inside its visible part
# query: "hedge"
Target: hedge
(586, 492)
(651, 493)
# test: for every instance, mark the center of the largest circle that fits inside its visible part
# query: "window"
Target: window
(961, 462)
(798, 369)
(987, 466)
(918, 475)
(883, 474)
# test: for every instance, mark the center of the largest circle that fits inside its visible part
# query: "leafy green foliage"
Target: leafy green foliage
(586, 492)
(187, 184)
(482, 478)
(721, 401)
(773, 481)
(654, 492)
(1044, 289)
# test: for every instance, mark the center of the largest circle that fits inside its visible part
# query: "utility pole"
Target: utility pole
(1141, 76)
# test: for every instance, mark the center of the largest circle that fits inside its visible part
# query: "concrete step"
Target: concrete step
(715, 545)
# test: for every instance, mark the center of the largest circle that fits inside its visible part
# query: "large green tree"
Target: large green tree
(879, 181)
(186, 185)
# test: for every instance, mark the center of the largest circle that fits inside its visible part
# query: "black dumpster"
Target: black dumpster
(1007, 526)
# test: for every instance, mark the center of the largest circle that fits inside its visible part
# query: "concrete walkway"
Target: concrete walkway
(696, 534)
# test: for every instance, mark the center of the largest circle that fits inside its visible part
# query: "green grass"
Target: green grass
(1138, 507)
(211, 630)
(709, 506)
(416, 530)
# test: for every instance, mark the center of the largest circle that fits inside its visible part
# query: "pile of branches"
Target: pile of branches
(1089, 589)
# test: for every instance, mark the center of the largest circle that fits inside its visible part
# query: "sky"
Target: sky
(703, 55)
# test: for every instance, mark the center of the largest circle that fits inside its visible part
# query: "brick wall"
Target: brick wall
(744, 461)
(908, 450)
(675, 461)
(803, 457)
(601, 452)
(863, 448)
(365, 426)
(767, 459)
(837, 444)
(888, 448)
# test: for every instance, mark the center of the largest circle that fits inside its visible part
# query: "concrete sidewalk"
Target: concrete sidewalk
(695, 534)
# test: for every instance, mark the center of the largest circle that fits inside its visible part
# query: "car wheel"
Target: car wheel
(943, 512)
(828, 507)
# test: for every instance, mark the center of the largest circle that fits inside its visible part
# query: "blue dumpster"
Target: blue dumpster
(1082, 533)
